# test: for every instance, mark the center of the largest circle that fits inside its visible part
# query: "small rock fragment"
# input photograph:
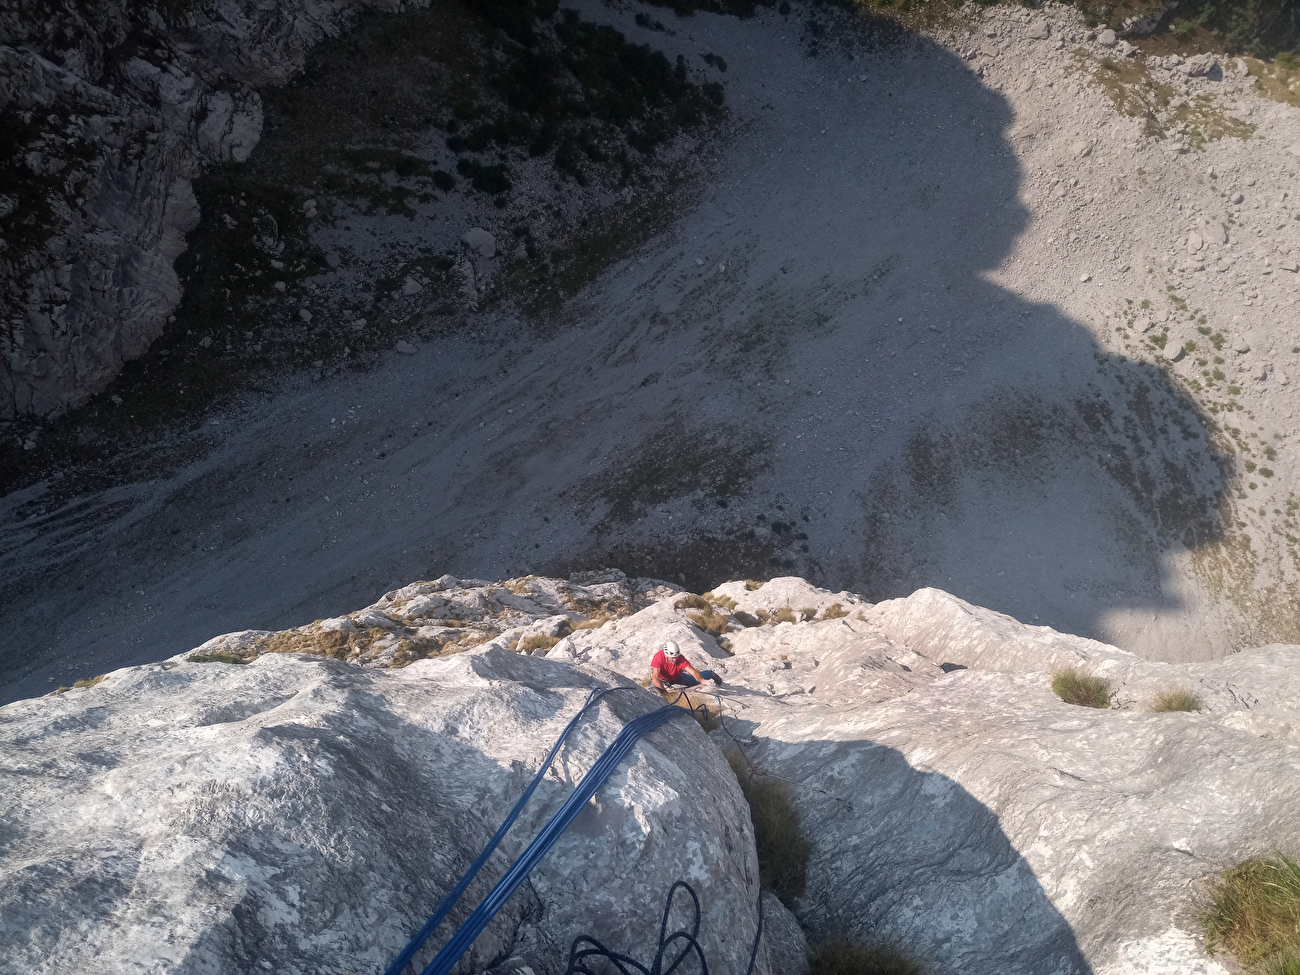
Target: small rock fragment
(1241, 346)
(1038, 30)
(1107, 38)
(1085, 278)
(405, 347)
(411, 286)
(1194, 243)
(480, 241)
(279, 286)
(1174, 350)
(304, 314)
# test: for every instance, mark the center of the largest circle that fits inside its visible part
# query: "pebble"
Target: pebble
(411, 286)
(1038, 30)
(1194, 242)
(304, 314)
(279, 286)
(405, 347)
(1107, 38)
(1241, 346)
(1085, 278)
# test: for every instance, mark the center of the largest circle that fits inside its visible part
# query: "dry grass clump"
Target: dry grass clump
(531, 644)
(1255, 914)
(839, 956)
(807, 613)
(783, 615)
(1179, 699)
(834, 611)
(1074, 685)
(710, 622)
(339, 644)
(216, 657)
(778, 834)
(726, 602)
(92, 682)
(692, 601)
(597, 621)
(752, 585)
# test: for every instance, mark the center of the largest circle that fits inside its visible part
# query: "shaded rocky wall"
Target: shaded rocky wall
(107, 111)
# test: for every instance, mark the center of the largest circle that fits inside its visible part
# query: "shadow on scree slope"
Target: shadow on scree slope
(992, 447)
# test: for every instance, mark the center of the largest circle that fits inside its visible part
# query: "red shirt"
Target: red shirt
(669, 667)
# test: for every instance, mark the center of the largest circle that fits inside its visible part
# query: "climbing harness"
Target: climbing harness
(604, 766)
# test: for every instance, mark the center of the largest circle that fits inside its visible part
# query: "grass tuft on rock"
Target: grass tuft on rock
(1179, 699)
(1074, 685)
(531, 644)
(840, 956)
(778, 834)
(216, 657)
(1255, 914)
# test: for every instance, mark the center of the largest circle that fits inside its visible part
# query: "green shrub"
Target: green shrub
(1074, 685)
(840, 956)
(1180, 699)
(1255, 914)
(216, 657)
(778, 835)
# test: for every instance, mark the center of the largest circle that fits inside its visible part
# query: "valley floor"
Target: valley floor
(1003, 311)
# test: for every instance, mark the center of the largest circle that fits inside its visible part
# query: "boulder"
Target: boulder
(305, 815)
(1107, 38)
(480, 242)
(958, 806)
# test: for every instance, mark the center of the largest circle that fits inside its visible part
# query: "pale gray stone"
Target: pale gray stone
(307, 813)
(480, 242)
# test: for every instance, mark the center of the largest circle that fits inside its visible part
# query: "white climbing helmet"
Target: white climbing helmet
(671, 649)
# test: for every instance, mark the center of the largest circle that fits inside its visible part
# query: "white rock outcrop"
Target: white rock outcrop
(296, 808)
(303, 815)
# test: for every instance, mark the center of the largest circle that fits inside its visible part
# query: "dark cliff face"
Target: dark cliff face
(107, 111)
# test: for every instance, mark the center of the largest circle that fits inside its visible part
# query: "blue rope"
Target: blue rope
(420, 937)
(578, 953)
(604, 766)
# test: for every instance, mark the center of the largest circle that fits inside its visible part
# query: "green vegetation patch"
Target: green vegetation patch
(782, 848)
(1074, 685)
(1255, 914)
(216, 657)
(673, 462)
(840, 956)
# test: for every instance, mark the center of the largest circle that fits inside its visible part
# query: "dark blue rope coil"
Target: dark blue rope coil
(604, 766)
(420, 937)
(691, 938)
(542, 843)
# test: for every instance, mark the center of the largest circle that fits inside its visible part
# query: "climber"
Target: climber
(668, 666)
